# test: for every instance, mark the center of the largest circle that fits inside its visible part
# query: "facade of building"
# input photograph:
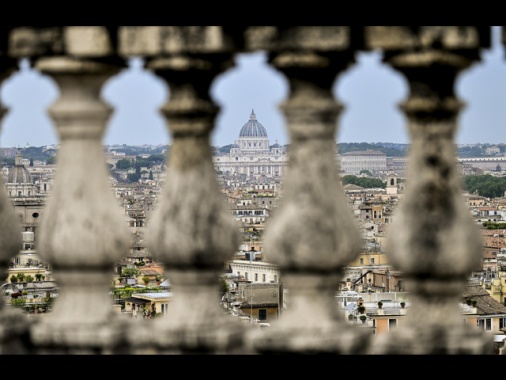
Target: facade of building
(28, 205)
(371, 160)
(252, 153)
(19, 180)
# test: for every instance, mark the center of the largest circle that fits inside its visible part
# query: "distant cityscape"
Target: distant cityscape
(250, 174)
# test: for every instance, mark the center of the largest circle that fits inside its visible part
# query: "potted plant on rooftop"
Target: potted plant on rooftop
(380, 304)
(363, 317)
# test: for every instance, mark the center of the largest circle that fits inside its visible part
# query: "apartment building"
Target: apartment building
(372, 160)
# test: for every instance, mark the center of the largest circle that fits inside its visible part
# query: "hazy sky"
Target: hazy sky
(370, 92)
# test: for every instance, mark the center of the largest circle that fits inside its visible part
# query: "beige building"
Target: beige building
(372, 160)
(255, 271)
(141, 305)
(28, 207)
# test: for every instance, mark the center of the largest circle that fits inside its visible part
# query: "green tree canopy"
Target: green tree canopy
(485, 185)
(130, 272)
(124, 164)
(367, 183)
(366, 172)
(156, 159)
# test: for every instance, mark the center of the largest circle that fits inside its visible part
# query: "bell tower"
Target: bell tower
(392, 184)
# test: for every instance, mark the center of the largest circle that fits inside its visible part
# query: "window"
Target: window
(361, 261)
(256, 276)
(392, 323)
(485, 324)
(263, 277)
(275, 278)
(262, 314)
(372, 260)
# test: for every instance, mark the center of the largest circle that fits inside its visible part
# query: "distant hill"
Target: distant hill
(44, 153)
(390, 149)
(401, 150)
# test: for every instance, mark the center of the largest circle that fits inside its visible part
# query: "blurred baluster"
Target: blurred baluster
(433, 239)
(82, 232)
(192, 231)
(13, 323)
(312, 235)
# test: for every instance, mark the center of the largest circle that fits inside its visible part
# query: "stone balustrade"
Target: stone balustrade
(312, 236)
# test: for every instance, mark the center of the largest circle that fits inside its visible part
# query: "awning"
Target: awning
(136, 301)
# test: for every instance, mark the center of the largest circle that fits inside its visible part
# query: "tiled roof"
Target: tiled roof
(150, 271)
(485, 303)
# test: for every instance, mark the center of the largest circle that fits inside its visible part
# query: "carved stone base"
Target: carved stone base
(57, 338)
(416, 340)
(13, 328)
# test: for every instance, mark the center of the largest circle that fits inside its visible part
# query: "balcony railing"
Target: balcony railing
(434, 241)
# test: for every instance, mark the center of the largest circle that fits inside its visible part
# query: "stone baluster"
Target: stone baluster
(82, 232)
(312, 236)
(433, 240)
(13, 325)
(192, 231)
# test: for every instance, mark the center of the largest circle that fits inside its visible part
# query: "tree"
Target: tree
(485, 185)
(29, 278)
(31, 162)
(225, 148)
(123, 164)
(51, 160)
(133, 177)
(224, 288)
(367, 183)
(151, 175)
(156, 159)
(130, 272)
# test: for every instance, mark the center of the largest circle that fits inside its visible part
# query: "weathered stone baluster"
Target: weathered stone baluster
(432, 240)
(192, 231)
(312, 235)
(82, 233)
(13, 324)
